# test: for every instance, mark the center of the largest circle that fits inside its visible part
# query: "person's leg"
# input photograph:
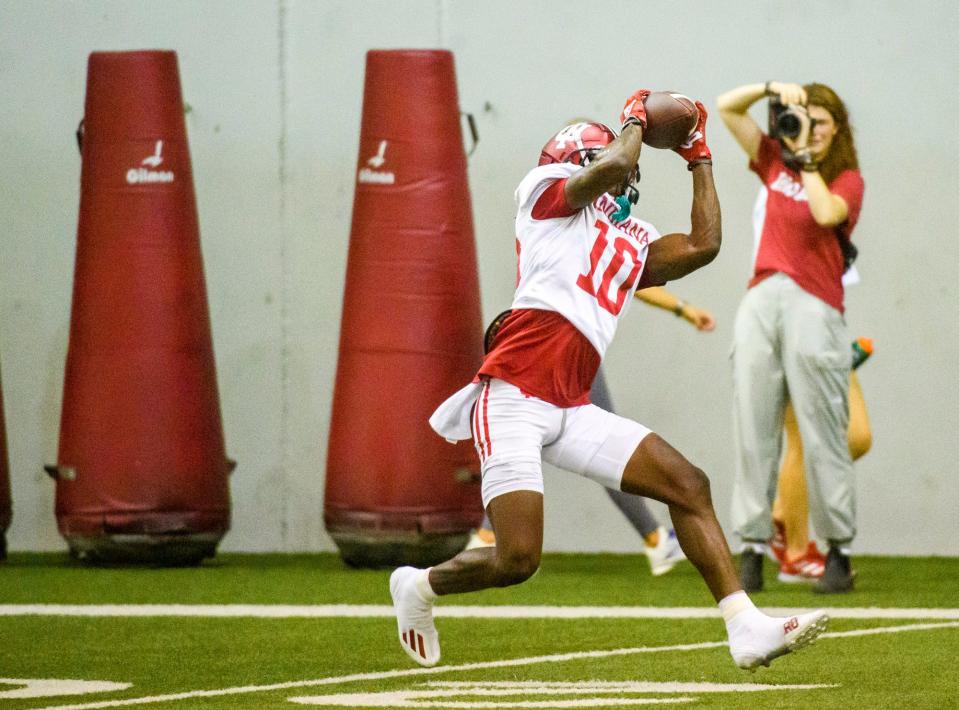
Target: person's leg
(817, 361)
(657, 470)
(637, 512)
(799, 559)
(759, 395)
(619, 452)
(792, 504)
(660, 472)
(509, 442)
(860, 431)
(660, 544)
(514, 559)
(518, 520)
(634, 508)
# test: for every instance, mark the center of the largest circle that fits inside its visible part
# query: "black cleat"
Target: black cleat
(751, 570)
(838, 577)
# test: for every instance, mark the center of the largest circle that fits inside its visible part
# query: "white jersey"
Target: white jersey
(585, 266)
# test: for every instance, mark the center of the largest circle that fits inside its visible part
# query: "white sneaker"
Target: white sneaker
(664, 556)
(755, 639)
(414, 617)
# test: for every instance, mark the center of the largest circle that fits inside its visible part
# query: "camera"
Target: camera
(784, 121)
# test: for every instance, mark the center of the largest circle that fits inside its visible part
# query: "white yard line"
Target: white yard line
(280, 611)
(408, 672)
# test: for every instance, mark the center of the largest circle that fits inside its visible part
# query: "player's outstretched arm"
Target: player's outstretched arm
(675, 255)
(609, 171)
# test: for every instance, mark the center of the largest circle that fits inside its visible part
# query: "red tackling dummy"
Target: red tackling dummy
(141, 471)
(411, 331)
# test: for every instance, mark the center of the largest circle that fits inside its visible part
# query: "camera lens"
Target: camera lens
(787, 124)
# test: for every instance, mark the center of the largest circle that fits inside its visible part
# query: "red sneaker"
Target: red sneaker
(807, 568)
(777, 543)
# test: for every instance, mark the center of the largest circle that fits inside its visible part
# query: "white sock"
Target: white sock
(734, 604)
(422, 586)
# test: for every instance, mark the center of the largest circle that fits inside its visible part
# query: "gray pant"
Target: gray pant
(790, 344)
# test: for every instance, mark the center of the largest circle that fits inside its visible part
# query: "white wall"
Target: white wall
(275, 90)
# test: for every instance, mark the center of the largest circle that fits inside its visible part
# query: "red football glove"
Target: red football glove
(695, 150)
(635, 110)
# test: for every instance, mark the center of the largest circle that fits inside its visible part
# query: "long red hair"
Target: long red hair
(842, 151)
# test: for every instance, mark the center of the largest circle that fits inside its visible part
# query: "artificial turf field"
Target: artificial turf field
(893, 643)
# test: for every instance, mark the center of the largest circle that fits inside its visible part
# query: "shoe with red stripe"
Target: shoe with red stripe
(808, 568)
(414, 616)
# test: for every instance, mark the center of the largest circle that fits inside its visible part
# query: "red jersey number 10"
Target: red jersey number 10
(612, 280)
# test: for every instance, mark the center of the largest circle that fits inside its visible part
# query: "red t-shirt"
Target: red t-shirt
(791, 242)
(539, 351)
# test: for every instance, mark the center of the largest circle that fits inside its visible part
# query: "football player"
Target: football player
(581, 258)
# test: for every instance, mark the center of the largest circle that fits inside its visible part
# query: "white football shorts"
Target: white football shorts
(514, 433)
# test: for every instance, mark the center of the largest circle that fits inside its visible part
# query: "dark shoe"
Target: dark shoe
(751, 570)
(837, 579)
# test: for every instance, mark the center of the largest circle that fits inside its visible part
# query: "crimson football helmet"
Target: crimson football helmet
(577, 143)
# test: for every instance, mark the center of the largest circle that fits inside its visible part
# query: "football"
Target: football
(670, 118)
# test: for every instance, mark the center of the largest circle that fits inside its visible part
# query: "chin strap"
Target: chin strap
(625, 201)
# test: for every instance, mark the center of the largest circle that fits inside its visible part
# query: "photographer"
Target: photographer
(790, 338)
